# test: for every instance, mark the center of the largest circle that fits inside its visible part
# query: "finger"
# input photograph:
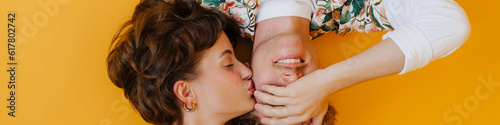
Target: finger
(278, 91)
(285, 121)
(318, 120)
(271, 99)
(259, 115)
(277, 111)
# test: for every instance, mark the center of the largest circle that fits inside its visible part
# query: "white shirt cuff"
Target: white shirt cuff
(280, 8)
(413, 44)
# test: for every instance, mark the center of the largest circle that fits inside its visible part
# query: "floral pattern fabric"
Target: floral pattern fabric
(343, 16)
(243, 11)
(339, 16)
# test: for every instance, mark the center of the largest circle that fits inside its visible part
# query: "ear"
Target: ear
(184, 92)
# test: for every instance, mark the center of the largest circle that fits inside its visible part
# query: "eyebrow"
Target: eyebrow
(226, 52)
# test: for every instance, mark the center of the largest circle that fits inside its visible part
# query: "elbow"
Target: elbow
(461, 27)
(458, 30)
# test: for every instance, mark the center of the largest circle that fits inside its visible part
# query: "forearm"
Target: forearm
(385, 58)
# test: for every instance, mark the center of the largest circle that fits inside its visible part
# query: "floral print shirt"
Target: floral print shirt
(243, 11)
(339, 16)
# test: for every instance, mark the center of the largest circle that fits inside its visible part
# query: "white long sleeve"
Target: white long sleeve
(281, 8)
(426, 30)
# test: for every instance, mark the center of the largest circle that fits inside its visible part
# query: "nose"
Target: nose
(245, 72)
(290, 76)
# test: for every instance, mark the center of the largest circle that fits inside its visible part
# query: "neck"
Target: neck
(200, 117)
(269, 28)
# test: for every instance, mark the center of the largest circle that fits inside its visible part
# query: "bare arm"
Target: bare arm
(313, 90)
(385, 58)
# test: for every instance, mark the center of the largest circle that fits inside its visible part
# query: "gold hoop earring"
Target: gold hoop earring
(188, 110)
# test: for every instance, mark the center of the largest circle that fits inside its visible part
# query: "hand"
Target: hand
(296, 103)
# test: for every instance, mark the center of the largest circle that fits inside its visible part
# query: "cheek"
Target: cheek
(263, 78)
(311, 69)
(263, 75)
(223, 86)
(226, 93)
(220, 82)
(212, 93)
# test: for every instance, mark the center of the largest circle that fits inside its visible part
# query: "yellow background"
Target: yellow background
(61, 73)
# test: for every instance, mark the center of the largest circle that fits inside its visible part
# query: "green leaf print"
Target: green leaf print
(215, 3)
(345, 17)
(387, 25)
(357, 5)
(373, 17)
(328, 17)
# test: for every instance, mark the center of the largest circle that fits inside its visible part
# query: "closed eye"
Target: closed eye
(229, 65)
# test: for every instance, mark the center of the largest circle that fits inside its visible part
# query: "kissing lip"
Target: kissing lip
(251, 88)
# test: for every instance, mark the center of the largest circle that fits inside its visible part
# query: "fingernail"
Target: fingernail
(263, 120)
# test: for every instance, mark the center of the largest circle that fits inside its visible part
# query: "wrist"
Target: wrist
(338, 77)
(326, 81)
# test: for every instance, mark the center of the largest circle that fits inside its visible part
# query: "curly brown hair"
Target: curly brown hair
(161, 44)
(250, 119)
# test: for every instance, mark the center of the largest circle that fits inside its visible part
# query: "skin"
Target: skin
(275, 73)
(287, 43)
(307, 97)
(221, 91)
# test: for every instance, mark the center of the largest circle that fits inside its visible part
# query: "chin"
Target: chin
(249, 105)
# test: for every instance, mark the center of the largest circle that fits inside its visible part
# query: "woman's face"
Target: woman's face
(223, 86)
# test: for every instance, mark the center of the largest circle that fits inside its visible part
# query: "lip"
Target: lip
(292, 56)
(251, 88)
(291, 65)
